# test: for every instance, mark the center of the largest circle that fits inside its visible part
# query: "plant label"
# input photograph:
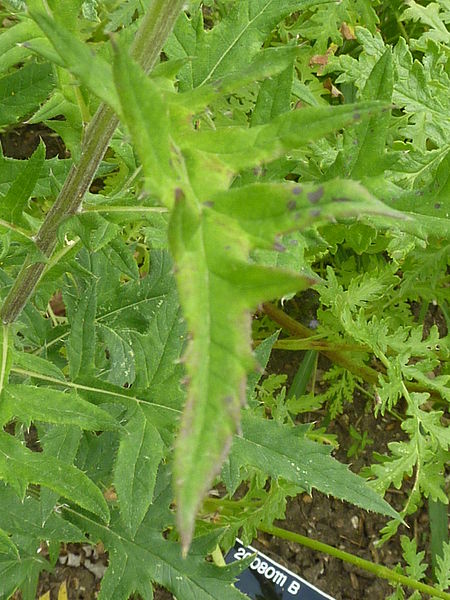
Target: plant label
(265, 579)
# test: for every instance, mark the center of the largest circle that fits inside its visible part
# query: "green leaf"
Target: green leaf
(19, 466)
(7, 546)
(16, 199)
(429, 208)
(81, 340)
(274, 65)
(282, 451)
(22, 521)
(232, 43)
(123, 258)
(12, 52)
(240, 147)
(443, 568)
(93, 70)
(62, 442)
(32, 363)
(364, 147)
(135, 562)
(142, 102)
(434, 20)
(24, 90)
(264, 210)
(94, 231)
(29, 403)
(217, 287)
(273, 97)
(138, 458)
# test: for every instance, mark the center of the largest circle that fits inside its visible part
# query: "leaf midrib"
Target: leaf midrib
(233, 43)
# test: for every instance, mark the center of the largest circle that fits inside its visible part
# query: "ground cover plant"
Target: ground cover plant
(218, 156)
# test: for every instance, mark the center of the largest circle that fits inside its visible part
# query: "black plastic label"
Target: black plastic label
(265, 579)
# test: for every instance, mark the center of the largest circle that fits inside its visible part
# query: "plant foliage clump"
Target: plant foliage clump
(271, 147)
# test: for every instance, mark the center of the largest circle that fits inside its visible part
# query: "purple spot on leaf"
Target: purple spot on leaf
(291, 205)
(316, 195)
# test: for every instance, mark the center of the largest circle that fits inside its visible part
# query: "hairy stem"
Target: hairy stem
(367, 565)
(156, 26)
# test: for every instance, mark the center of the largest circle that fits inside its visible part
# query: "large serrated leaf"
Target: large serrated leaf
(218, 288)
(23, 90)
(264, 210)
(19, 466)
(281, 451)
(230, 45)
(29, 403)
(137, 561)
(138, 458)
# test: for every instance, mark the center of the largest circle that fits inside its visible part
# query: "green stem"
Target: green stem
(16, 229)
(295, 328)
(156, 26)
(104, 208)
(367, 565)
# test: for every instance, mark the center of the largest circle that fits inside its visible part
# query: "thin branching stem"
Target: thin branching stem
(337, 356)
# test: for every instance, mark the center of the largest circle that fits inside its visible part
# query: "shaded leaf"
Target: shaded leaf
(29, 403)
(23, 90)
(138, 458)
(15, 200)
(19, 466)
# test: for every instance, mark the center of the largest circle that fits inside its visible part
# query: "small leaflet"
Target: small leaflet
(265, 579)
